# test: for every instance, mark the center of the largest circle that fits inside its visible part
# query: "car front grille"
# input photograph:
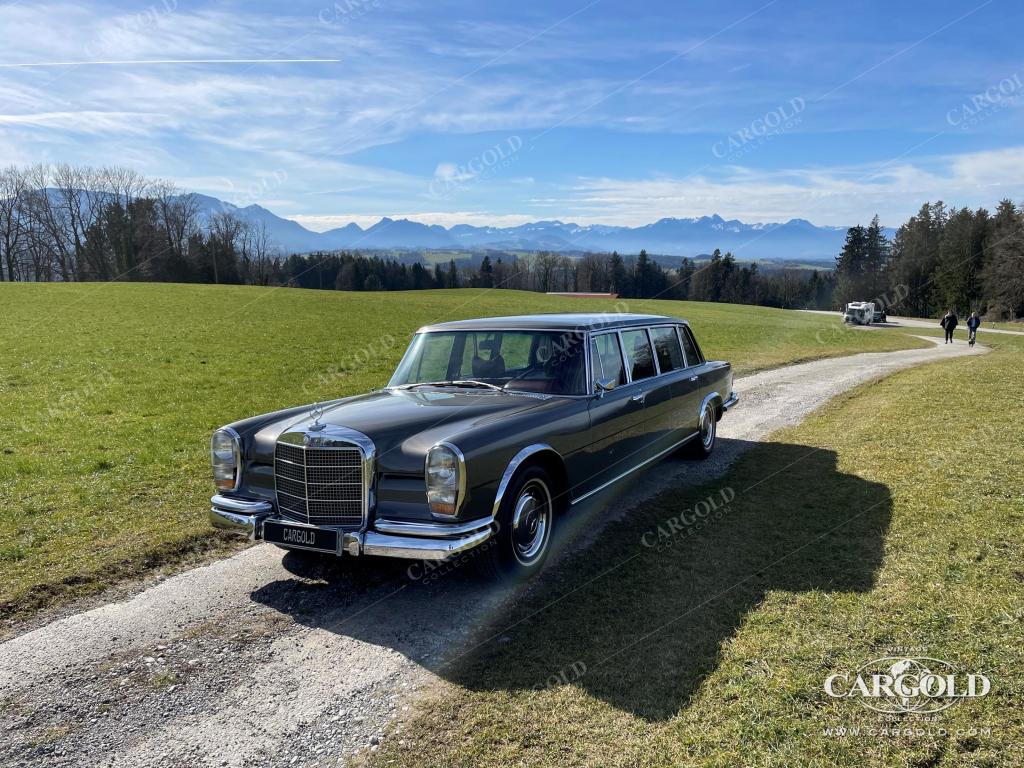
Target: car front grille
(320, 486)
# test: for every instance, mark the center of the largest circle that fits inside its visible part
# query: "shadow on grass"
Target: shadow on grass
(639, 618)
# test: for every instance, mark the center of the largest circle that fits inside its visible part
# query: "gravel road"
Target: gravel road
(894, 321)
(268, 658)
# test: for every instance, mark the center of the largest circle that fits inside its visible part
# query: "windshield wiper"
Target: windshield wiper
(453, 383)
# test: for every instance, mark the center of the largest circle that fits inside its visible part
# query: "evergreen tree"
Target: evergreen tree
(617, 273)
(684, 276)
(486, 274)
(852, 266)
(877, 250)
(643, 275)
(1004, 273)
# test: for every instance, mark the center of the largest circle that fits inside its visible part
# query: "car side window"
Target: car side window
(639, 356)
(606, 358)
(666, 346)
(693, 356)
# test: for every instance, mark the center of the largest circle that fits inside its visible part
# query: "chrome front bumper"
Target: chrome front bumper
(387, 538)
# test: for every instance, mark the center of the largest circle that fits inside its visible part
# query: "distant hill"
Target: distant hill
(796, 240)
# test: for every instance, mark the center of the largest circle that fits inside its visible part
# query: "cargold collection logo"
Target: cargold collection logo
(897, 685)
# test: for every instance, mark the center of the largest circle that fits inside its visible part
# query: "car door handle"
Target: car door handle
(639, 397)
(694, 378)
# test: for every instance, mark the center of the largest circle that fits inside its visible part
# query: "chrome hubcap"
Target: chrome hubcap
(707, 427)
(531, 521)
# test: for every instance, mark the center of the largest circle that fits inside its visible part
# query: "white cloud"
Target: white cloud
(839, 196)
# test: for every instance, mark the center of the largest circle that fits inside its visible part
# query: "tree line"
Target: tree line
(721, 278)
(72, 223)
(941, 258)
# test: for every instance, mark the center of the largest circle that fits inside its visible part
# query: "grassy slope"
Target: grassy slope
(893, 517)
(109, 393)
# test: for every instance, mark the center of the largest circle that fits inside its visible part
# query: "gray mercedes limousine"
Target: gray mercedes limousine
(488, 430)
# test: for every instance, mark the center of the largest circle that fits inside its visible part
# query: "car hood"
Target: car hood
(403, 424)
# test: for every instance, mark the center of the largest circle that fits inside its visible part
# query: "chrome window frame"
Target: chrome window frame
(591, 336)
(680, 330)
(629, 368)
(583, 335)
(682, 352)
(630, 381)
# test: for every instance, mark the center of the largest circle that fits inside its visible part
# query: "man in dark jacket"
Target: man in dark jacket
(948, 323)
(972, 327)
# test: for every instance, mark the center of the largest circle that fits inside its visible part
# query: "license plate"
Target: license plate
(300, 537)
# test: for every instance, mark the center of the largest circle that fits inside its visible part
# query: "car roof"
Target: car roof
(564, 321)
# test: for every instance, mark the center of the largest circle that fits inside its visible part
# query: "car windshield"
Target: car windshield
(549, 362)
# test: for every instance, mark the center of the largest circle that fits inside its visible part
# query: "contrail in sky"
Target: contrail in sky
(165, 61)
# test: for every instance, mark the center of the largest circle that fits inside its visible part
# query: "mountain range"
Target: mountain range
(791, 241)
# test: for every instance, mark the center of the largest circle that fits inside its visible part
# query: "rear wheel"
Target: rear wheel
(701, 446)
(525, 524)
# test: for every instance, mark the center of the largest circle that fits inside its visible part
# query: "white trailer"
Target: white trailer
(859, 312)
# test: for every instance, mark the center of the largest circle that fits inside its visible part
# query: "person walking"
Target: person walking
(972, 327)
(948, 323)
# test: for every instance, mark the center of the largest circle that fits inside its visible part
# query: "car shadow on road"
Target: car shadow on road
(640, 616)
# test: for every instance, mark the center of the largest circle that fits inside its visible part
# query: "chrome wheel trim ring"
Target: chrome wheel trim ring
(531, 522)
(707, 427)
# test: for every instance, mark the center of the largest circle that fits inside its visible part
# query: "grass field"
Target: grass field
(891, 522)
(110, 391)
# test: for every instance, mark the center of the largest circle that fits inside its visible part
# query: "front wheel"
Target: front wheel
(701, 446)
(525, 523)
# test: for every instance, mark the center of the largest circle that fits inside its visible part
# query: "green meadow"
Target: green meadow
(109, 392)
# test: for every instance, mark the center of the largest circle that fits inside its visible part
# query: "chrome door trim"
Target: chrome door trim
(630, 471)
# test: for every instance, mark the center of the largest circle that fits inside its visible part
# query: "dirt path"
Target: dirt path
(264, 660)
(894, 321)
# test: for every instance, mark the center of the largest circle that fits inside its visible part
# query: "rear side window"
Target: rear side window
(607, 358)
(693, 356)
(666, 347)
(639, 357)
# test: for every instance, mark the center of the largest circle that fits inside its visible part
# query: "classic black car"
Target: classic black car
(488, 430)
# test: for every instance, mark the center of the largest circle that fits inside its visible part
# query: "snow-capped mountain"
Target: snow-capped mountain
(794, 240)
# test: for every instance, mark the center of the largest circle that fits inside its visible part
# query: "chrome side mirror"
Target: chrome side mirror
(604, 385)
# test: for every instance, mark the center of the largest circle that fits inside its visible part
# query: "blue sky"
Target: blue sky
(596, 111)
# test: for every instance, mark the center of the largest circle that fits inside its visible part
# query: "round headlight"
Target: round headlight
(225, 455)
(446, 479)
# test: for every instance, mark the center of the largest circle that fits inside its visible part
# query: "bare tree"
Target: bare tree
(74, 202)
(13, 188)
(225, 235)
(121, 188)
(258, 253)
(178, 216)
